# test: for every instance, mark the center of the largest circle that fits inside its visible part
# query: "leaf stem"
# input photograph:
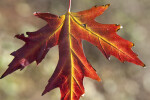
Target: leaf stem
(69, 6)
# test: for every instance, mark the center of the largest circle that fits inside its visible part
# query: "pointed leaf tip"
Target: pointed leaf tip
(4, 75)
(144, 66)
(1, 77)
(35, 13)
(107, 5)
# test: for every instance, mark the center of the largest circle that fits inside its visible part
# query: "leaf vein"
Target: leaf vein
(100, 37)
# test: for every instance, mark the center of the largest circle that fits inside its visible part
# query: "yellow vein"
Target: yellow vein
(57, 29)
(70, 55)
(77, 21)
(80, 60)
(77, 83)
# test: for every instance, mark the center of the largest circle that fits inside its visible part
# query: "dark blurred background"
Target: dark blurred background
(119, 81)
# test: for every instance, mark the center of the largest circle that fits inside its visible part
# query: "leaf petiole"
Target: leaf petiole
(69, 6)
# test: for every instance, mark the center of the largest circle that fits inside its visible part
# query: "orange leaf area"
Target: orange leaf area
(68, 31)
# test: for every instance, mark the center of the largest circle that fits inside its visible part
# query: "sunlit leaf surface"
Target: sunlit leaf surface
(68, 31)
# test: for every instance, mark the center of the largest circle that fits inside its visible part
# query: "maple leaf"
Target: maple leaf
(68, 31)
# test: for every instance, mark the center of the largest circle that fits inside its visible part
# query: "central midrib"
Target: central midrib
(71, 57)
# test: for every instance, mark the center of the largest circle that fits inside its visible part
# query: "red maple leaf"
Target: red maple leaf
(68, 31)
